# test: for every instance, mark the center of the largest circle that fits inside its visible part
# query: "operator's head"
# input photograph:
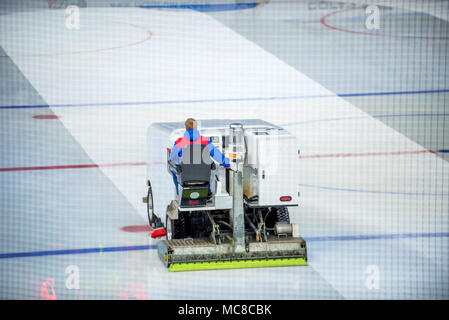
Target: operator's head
(191, 124)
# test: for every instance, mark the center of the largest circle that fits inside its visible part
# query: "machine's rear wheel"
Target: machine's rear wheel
(282, 215)
(176, 229)
(279, 214)
(150, 205)
(198, 225)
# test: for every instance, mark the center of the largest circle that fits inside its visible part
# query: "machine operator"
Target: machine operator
(192, 136)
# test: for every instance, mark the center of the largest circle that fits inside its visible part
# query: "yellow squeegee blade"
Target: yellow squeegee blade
(237, 264)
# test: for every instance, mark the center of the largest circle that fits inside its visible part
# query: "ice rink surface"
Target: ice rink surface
(369, 109)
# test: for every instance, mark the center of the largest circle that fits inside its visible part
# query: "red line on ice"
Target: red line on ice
(136, 229)
(74, 166)
(127, 164)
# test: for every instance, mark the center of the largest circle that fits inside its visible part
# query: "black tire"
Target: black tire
(279, 214)
(282, 214)
(178, 227)
(198, 225)
(150, 205)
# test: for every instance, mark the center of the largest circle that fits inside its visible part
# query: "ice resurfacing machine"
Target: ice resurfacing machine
(219, 218)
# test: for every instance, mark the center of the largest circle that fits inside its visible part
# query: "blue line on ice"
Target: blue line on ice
(153, 247)
(135, 103)
(205, 7)
(73, 251)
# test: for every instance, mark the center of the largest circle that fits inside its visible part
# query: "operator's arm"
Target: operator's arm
(174, 154)
(217, 155)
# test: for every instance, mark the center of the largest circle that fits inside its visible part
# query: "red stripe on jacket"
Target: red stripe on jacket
(182, 142)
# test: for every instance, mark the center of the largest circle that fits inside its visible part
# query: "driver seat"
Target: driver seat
(194, 175)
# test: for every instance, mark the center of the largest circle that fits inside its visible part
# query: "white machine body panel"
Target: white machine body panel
(270, 172)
